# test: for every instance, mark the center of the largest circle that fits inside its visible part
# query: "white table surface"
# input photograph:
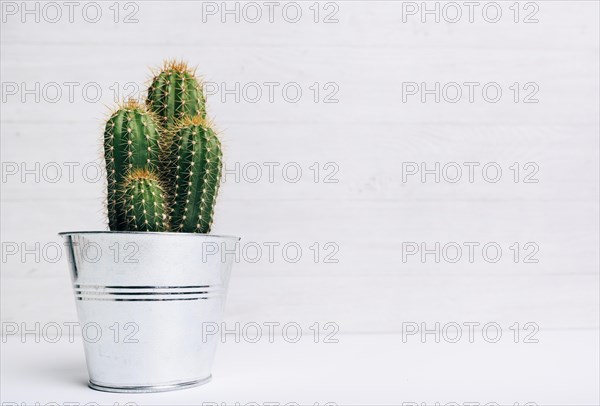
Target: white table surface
(361, 369)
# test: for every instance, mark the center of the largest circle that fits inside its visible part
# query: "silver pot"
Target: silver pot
(143, 301)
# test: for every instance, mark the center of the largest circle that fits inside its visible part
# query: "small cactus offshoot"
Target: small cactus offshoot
(163, 158)
(144, 202)
(175, 93)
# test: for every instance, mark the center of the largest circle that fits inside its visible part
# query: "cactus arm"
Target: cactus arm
(131, 141)
(144, 202)
(175, 93)
(198, 162)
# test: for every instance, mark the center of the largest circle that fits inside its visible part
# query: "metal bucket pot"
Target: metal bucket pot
(143, 301)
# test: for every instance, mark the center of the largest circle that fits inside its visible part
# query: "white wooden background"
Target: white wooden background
(369, 133)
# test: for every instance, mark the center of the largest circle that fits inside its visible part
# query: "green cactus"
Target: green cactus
(163, 159)
(175, 93)
(144, 202)
(196, 158)
(131, 141)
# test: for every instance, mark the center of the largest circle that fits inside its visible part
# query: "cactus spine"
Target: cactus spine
(197, 161)
(131, 141)
(175, 93)
(144, 202)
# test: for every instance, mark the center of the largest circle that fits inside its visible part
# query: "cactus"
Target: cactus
(175, 93)
(144, 202)
(163, 159)
(196, 157)
(131, 141)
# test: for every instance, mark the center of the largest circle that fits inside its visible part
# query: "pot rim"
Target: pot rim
(165, 233)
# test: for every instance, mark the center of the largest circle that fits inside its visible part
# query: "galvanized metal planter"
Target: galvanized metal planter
(143, 301)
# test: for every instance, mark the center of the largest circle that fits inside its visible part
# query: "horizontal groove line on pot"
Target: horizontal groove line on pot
(146, 293)
(174, 299)
(106, 293)
(77, 286)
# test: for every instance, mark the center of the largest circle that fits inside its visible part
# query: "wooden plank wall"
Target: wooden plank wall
(370, 137)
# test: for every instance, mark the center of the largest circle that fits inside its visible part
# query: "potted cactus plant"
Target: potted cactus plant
(157, 277)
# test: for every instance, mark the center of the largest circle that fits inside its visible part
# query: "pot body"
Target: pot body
(148, 305)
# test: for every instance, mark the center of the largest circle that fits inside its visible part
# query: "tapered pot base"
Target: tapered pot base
(149, 388)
